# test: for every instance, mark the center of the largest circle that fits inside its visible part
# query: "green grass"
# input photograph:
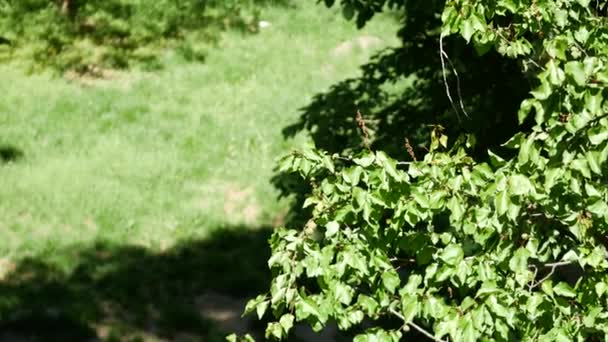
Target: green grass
(158, 159)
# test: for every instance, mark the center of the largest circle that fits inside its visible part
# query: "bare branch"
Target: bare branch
(444, 57)
(361, 123)
(553, 266)
(410, 149)
(445, 77)
(417, 327)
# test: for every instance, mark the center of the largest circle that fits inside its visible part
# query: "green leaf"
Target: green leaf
(501, 202)
(547, 287)
(256, 304)
(469, 334)
(556, 74)
(348, 11)
(365, 160)
(368, 304)
(306, 307)
(343, 293)
(452, 254)
(519, 261)
(593, 161)
(581, 166)
(409, 308)
(599, 208)
(467, 29)
(576, 71)
(543, 91)
(261, 308)
(520, 185)
(456, 209)
(597, 134)
(601, 288)
(496, 307)
(390, 280)
(274, 329)
(286, 322)
(593, 102)
(564, 290)
(525, 109)
(533, 304)
(331, 228)
(584, 3)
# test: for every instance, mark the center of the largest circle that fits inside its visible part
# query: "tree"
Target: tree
(453, 243)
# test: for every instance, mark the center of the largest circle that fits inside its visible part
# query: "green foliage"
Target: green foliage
(458, 248)
(88, 35)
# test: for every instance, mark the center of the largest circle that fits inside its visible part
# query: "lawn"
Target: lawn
(122, 198)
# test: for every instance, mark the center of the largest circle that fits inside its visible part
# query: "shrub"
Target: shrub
(450, 245)
(87, 35)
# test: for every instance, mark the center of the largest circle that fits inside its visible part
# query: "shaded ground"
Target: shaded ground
(130, 293)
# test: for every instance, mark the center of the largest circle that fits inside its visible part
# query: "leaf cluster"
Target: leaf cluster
(512, 247)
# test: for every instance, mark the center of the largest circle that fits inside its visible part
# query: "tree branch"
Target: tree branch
(443, 57)
(553, 266)
(417, 327)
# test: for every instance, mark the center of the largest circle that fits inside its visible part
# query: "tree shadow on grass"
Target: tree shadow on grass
(132, 293)
(9, 153)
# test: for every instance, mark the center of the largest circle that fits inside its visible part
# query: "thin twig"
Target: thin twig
(553, 266)
(410, 149)
(363, 127)
(417, 327)
(445, 77)
(534, 278)
(457, 84)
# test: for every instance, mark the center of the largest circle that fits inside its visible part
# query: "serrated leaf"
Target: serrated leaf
(368, 304)
(331, 228)
(306, 307)
(564, 290)
(593, 102)
(593, 161)
(543, 91)
(452, 254)
(456, 209)
(597, 134)
(581, 166)
(274, 329)
(467, 29)
(520, 185)
(286, 322)
(501, 202)
(599, 208)
(576, 70)
(261, 308)
(496, 307)
(390, 280)
(343, 293)
(584, 3)
(468, 332)
(525, 109)
(365, 160)
(555, 73)
(519, 261)
(409, 308)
